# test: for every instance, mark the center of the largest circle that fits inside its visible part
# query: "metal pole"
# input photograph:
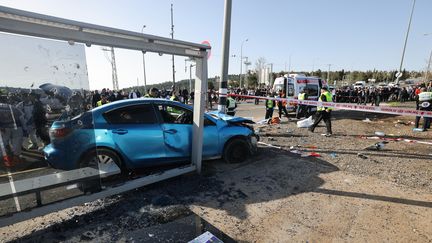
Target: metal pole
(241, 61)
(225, 58)
(144, 71)
(144, 66)
(328, 74)
(172, 37)
(241, 64)
(198, 112)
(190, 78)
(406, 40)
(428, 67)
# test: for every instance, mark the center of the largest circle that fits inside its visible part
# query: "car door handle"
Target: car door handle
(120, 131)
(171, 131)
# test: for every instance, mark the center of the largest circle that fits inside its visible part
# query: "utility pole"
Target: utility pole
(113, 68)
(289, 65)
(172, 37)
(328, 74)
(225, 58)
(406, 40)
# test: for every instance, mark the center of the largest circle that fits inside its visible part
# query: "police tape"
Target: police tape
(345, 106)
(393, 139)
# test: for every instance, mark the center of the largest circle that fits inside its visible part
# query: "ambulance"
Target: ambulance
(293, 84)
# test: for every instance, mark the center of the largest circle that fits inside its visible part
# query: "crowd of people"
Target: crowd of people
(376, 95)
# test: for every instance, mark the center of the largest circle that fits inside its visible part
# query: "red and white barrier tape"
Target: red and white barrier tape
(396, 139)
(344, 106)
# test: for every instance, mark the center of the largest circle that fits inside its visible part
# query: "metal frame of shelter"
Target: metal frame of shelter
(37, 25)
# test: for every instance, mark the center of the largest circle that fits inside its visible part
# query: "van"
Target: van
(359, 84)
(293, 84)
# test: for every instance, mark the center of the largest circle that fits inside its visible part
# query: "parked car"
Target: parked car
(145, 132)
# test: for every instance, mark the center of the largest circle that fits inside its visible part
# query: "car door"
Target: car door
(137, 134)
(176, 123)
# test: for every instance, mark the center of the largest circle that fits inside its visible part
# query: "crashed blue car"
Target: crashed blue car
(139, 133)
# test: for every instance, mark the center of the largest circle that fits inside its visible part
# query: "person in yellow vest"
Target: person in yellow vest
(231, 105)
(302, 110)
(323, 113)
(424, 103)
(103, 101)
(269, 104)
(154, 93)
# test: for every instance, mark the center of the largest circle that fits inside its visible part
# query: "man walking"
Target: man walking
(323, 113)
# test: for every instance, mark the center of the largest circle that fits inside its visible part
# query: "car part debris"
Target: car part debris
(366, 120)
(381, 134)
(333, 155)
(377, 146)
(418, 130)
(362, 156)
(269, 145)
(206, 237)
(311, 154)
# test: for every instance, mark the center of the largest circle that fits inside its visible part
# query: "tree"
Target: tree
(252, 79)
(260, 65)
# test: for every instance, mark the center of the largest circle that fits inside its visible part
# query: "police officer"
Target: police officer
(323, 113)
(269, 104)
(302, 109)
(231, 105)
(154, 93)
(103, 101)
(424, 104)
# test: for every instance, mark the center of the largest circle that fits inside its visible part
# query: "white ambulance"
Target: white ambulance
(293, 84)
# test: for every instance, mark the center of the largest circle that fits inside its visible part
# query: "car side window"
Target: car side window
(175, 114)
(135, 114)
(290, 90)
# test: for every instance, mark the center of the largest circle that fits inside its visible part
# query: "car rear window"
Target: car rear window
(136, 114)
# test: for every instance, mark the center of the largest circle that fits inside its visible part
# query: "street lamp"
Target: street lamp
(241, 60)
(190, 72)
(144, 66)
(399, 74)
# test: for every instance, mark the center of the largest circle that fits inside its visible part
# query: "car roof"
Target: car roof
(121, 103)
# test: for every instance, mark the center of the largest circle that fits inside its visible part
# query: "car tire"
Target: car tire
(92, 159)
(236, 150)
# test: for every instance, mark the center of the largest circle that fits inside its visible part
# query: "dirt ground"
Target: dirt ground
(347, 194)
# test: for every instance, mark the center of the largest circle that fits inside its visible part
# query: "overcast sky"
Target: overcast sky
(349, 34)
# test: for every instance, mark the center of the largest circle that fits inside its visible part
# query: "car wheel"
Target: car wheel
(236, 151)
(103, 159)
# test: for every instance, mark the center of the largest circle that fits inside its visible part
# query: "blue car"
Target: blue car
(138, 133)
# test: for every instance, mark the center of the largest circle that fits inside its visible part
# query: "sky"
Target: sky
(303, 35)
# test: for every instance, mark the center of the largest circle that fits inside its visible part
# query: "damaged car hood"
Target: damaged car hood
(230, 119)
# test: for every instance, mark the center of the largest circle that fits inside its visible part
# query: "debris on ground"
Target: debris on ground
(305, 123)
(381, 134)
(333, 155)
(418, 130)
(377, 146)
(269, 145)
(362, 156)
(366, 120)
